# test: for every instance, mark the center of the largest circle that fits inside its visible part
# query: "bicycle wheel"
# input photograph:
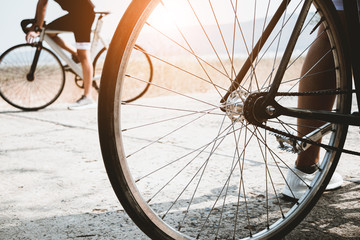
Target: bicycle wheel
(183, 163)
(26, 93)
(140, 63)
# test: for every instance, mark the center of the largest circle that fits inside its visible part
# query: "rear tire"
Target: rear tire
(180, 166)
(135, 91)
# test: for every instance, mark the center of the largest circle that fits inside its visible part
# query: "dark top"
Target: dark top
(76, 6)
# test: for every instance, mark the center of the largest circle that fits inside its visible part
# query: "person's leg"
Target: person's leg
(64, 23)
(63, 44)
(86, 100)
(317, 74)
(87, 68)
(82, 31)
(82, 23)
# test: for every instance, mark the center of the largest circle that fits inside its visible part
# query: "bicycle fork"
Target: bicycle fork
(30, 76)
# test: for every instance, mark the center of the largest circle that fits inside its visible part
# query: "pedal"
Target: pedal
(288, 144)
(67, 68)
(297, 146)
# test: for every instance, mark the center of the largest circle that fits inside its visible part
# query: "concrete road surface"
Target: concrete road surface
(53, 184)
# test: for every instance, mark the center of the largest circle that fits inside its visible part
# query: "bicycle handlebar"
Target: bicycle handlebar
(25, 24)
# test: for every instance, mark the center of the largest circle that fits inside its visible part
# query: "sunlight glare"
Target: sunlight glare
(171, 15)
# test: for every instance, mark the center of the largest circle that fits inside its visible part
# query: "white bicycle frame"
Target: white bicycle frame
(76, 68)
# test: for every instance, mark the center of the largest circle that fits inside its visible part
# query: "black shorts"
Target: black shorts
(80, 24)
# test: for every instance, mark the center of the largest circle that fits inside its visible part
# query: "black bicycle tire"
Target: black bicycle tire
(95, 85)
(57, 94)
(109, 136)
(149, 80)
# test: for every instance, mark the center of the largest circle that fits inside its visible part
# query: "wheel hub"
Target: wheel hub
(255, 112)
(30, 77)
(241, 106)
(234, 105)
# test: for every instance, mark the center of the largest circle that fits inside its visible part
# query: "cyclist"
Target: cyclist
(306, 163)
(79, 21)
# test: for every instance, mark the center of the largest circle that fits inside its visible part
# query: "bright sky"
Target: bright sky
(13, 11)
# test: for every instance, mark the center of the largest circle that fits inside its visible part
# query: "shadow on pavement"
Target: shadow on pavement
(332, 218)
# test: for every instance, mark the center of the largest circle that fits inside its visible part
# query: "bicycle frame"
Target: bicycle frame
(97, 37)
(76, 68)
(353, 22)
(268, 101)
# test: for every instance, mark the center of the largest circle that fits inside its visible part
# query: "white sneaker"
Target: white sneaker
(83, 103)
(298, 182)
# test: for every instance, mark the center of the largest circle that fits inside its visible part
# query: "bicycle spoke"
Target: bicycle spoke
(178, 93)
(203, 166)
(198, 60)
(187, 50)
(200, 150)
(168, 120)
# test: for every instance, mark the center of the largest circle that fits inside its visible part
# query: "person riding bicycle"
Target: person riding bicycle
(306, 163)
(79, 20)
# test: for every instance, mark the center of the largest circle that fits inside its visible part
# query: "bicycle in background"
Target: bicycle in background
(32, 76)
